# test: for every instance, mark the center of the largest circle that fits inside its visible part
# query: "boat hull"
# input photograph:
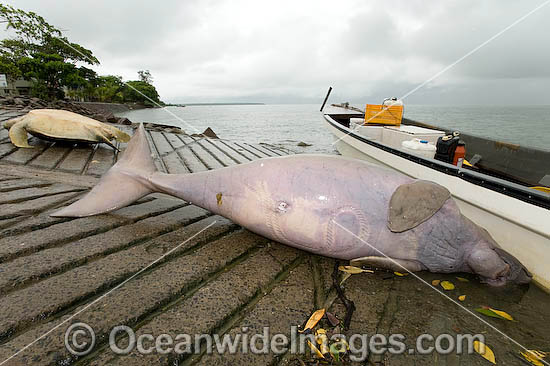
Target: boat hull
(519, 227)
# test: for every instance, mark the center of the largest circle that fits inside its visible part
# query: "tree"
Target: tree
(138, 91)
(39, 52)
(145, 76)
(110, 89)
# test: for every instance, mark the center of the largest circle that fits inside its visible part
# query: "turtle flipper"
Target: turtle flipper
(105, 139)
(11, 122)
(101, 135)
(18, 135)
(118, 134)
(389, 263)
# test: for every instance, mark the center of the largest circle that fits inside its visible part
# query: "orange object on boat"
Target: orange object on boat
(460, 152)
(384, 114)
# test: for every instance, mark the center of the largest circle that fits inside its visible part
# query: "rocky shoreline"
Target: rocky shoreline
(25, 103)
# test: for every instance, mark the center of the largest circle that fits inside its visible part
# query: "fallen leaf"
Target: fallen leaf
(353, 270)
(314, 319)
(502, 314)
(315, 349)
(334, 321)
(95, 161)
(494, 313)
(487, 312)
(400, 274)
(462, 279)
(534, 356)
(485, 351)
(447, 285)
(322, 340)
(340, 346)
(462, 297)
(435, 282)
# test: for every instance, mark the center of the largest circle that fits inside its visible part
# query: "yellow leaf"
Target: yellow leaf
(462, 279)
(435, 282)
(485, 351)
(462, 297)
(503, 314)
(533, 357)
(322, 340)
(400, 274)
(447, 285)
(315, 349)
(314, 319)
(353, 270)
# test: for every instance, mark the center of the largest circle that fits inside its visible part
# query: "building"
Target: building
(19, 87)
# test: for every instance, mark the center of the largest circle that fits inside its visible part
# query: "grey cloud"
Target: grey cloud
(291, 51)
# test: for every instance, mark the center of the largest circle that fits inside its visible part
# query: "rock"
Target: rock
(113, 119)
(175, 130)
(303, 144)
(209, 133)
(124, 121)
(19, 101)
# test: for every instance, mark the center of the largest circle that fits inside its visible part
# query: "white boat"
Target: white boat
(493, 194)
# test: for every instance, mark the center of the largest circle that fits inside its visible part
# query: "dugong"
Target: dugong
(324, 204)
(56, 124)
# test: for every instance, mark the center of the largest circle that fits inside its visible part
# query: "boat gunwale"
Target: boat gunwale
(498, 185)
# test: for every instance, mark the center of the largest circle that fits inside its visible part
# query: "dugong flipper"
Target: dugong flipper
(413, 203)
(325, 204)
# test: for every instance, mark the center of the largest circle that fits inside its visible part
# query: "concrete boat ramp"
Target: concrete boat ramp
(121, 269)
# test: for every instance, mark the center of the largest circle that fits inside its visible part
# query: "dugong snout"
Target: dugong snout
(496, 267)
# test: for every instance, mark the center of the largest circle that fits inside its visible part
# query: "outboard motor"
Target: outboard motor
(446, 147)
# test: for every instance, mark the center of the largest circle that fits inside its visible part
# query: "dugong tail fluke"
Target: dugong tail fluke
(123, 184)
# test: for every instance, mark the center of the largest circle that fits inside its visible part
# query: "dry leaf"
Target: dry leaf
(322, 340)
(95, 161)
(485, 310)
(334, 321)
(462, 279)
(485, 351)
(534, 356)
(314, 319)
(315, 349)
(502, 314)
(400, 274)
(462, 297)
(353, 270)
(447, 285)
(435, 282)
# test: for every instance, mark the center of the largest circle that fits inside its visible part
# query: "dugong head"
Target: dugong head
(497, 267)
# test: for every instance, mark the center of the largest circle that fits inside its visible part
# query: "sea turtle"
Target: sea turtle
(60, 125)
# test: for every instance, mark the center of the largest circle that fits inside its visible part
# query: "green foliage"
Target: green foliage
(40, 53)
(145, 76)
(141, 92)
(109, 89)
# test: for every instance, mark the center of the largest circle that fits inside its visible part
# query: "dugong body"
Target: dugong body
(54, 124)
(325, 204)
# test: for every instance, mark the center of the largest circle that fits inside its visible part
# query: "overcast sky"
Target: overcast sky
(291, 51)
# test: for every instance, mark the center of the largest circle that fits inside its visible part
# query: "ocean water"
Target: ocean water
(288, 124)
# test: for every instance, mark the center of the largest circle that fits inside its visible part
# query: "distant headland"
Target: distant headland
(207, 104)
